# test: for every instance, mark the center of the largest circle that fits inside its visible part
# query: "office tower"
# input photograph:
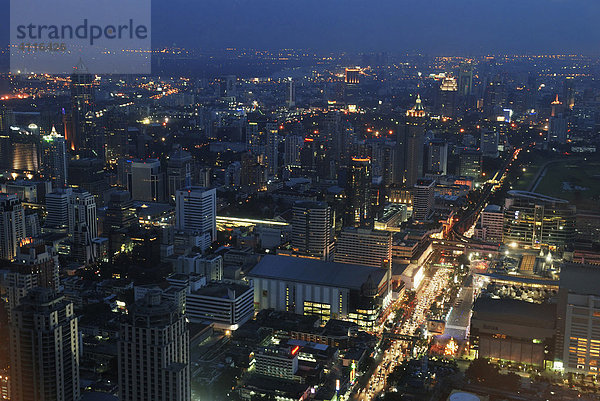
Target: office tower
(358, 192)
(465, 79)
(154, 352)
(272, 149)
(470, 163)
(57, 208)
(489, 143)
(32, 224)
(493, 97)
(569, 93)
(196, 211)
(44, 348)
(492, 223)
(437, 157)
(290, 94)
(312, 229)
(80, 135)
(413, 143)
(254, 142)
(446, 106)
(534, 220)
(83, 225)
(24, 150)
(577, 347)
(88, 174)
(557, 124)
(180, 170)
(423, 199)
(54, 158)
(364, 247)
(145, 180)
(35, 265)
(292, 146)
(227, 87)
(12, 225)
(120, 216)
(352, 76)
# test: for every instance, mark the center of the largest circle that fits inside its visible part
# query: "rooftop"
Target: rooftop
(312, 271)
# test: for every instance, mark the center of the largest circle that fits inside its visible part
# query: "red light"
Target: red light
(309, 140)
(295, 349)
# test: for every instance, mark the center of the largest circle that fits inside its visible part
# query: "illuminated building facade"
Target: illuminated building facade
(364, 246)
(12, 225)
(54, 158)
(328, 290)
(414, 131)
(533, 220)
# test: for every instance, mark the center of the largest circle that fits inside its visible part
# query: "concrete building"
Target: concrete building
(364, 246)
(312, 229)
(57, 208)
(533, 220)
(154, 352)
(423, 200)
(146, 181)
(44, 348)
(492, 224)
(196, 212)
(279, 362)
(12, 225)
(226, 304)
(328, 290)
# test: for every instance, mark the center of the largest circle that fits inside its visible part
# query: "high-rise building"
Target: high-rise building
(358, 192)
(423, 199)
(364, 247)
(44, 348)
(272, 149)
(557, 124)
(12, 225)
(489, 143)
(35, 265)
(54, 158)
(534, 220)
(145, 180)
(24, 152)
(196, 211)
(154, 352)
(57, 208)
(413, 143)
(80, 134)
(446, 106)
(292, 146)
(352, 76)
(120, 215)
(465, 80)
(290, 95)
(180, 170)
(437, 157)
(312, 229)
(470, 163)
(492, 223)
(83, 225)
(578, 328)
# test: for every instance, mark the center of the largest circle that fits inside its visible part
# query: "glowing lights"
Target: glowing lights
(295, 350)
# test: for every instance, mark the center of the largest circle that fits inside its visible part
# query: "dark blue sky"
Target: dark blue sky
(428, 26)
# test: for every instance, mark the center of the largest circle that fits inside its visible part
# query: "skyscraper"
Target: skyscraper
(44, 348)
(437, 157)
(83, 225)
(145, 180)
(364, 246)
(358, 192)
(154, 352)
(82, 108)
(465, 80)
(196, 211)
(179, 171)
(312, 229)
(57, 208)
(54, 158)
(557, 124)
(423, 199)
(470, 163)
(272, 148)
(290, 95)
(413, 143)
(292, 146)
(12, 225)
(35, 265)
(447, 97)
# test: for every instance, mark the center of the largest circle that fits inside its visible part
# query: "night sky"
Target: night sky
(428, 26)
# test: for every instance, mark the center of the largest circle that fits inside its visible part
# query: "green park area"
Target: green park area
(577, 181)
